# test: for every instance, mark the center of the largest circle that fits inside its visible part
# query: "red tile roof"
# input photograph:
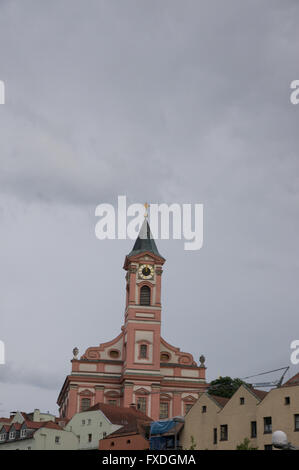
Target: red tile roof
(61, 420)
(119, 414)
(220, 400)
(17, 426)
(5, 420)
(6, 427)
(42, 424)
(52, 425)
(137, 426)
(259, 393)
(292, 381)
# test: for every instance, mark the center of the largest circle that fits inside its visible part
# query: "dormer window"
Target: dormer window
(145, 295)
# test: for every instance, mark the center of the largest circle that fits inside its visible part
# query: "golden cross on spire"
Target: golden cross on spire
(146, 205)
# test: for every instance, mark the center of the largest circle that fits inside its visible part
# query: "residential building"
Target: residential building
(138, 366)
(102, 420)
(221, 424)
(37, 416)
(40, 435)
(132, 436)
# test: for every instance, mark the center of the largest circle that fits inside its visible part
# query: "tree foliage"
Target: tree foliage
(225, 386)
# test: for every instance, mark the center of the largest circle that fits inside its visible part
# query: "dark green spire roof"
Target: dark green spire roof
(145, 241)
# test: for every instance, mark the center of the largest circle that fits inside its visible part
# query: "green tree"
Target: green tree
(225, 386)
(245, 445)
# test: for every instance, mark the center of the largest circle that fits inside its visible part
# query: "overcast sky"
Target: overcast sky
(181, 101)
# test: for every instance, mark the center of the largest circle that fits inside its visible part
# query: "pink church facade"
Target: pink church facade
(138, 366)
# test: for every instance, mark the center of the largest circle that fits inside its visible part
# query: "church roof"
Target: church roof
(145, 241)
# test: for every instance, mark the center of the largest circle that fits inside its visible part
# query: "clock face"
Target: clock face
(146, 271)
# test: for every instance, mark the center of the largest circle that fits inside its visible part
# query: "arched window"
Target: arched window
(143, 351)
(141, 404)
(85, 404)
(145, 295)
(164, 409)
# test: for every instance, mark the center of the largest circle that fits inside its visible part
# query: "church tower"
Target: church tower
(142, 324)
(138, 367)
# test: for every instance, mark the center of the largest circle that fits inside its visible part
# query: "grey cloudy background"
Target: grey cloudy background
(165, 101)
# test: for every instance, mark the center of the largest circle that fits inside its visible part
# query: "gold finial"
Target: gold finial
(146, 205)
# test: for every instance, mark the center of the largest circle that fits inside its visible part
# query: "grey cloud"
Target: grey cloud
(14, 374)
(162, 101)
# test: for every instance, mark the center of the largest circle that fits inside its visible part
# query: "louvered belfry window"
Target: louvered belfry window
(145, 295)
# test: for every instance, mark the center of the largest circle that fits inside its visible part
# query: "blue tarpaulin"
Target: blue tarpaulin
(160, 427)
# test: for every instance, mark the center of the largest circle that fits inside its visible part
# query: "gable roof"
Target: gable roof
(119, 414)
(221, 401)
(5, 420)
(292, 381)
(6, 427)
(17, 426)
(42, 424)
(136, 427)
(260, 394)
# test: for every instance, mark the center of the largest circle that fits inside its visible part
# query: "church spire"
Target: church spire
(145, 241)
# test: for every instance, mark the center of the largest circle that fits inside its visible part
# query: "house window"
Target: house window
(164, 409)
(85, 404)
(101, 424)
(112, 444)
(253, 429)
(57, 439)
(23, 433)
(12, 435)
(141, 404)
(287, 400)
(267, 425)
(215, 436)
(145, 295)
(89, 421)
(128, 441)
(296, 422)
(204, 409)
(242, 400)
(268, 447)
(2, 436)
(89, 437)
(223, 432)
(143, 351)
(83, 422)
